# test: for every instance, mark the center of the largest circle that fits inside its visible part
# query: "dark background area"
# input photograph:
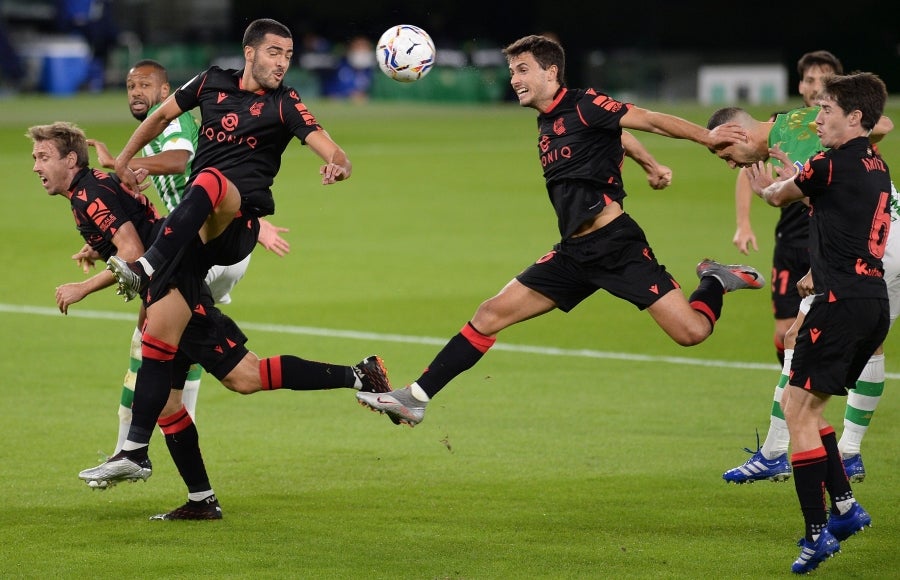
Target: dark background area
(865, 34)
(651, 48)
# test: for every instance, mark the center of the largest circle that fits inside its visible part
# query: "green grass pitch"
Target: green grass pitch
(585, 445)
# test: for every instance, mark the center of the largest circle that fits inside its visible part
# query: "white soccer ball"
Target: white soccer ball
(405, 53)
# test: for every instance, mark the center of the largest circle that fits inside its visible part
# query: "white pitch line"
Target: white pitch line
(427, 340)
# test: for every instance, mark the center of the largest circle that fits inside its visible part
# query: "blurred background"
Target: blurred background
(670, 51)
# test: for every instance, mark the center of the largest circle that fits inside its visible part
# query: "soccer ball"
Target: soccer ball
(405, 53)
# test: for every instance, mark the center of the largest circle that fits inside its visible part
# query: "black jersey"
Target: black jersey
(242, 133)
(101, 206)
(849, 189)
(580, 147)
(792, 228)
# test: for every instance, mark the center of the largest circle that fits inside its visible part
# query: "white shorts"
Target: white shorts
(891, 263)
(222, 279)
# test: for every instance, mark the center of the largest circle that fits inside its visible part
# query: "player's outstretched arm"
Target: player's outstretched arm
(270, 238)
(337, 165)
(658, 176)
(129, 248)
(744, 238)
(152, 126)
(678, 128)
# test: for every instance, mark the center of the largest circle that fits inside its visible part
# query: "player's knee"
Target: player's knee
(244, 378)
(693, 334)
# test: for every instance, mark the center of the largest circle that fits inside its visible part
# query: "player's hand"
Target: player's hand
(69, 294)
(270, 238)
(760, 174)
(103, 155)
(332, 172)
(128, 177)
(725, 135)
(140, 178)
(141, 175)
(806, 286)
(660, 177)
(744, 239)
(787, 169)
(86, 257)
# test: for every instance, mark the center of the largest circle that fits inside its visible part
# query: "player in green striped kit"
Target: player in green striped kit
(794, 133)
(168, 160)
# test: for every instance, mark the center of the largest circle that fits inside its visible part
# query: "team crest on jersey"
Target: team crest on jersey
(559, 126)
(256, 109)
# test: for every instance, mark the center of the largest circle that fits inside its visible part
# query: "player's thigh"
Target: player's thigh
(168, 317)
(678, 319)
(514, 303)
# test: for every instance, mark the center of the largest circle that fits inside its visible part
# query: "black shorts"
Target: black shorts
(212, 340)
(187, 270)
(835, 342)
(616, 258)
(789, 264)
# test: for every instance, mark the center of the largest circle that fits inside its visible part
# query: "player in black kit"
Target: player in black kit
(115, 222)
(601, 246)
(848, 188)
(247, 120)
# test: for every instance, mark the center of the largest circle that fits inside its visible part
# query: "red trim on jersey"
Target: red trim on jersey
(480, 341)
(270, 373)
(559, 96)
(154, 349)
(176, 422)
(202, 82)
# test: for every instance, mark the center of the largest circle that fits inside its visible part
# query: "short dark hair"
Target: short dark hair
(155, 65)
(66, 137)
(258, 29)
(860, 91)
(725, 115)
(546, 51)
(821, 58)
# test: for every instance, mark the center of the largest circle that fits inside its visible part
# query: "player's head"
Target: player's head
(740, 154)
(860, 97)
(268, 48)
(146, 85)
(813, 67)
(537, 68)
(60, 151)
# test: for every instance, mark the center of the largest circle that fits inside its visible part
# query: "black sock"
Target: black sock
(291, 372)
(707, 299)
(183, 442)
(460, 354)
(836, 481)
(184, 222)
(151, 391)
(810, 473)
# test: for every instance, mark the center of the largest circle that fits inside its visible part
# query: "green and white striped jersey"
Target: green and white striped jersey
(181, 134)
